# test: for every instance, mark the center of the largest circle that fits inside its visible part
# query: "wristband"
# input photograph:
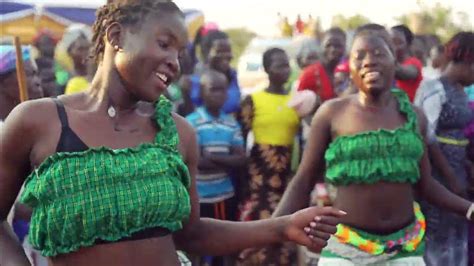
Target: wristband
(469, 213)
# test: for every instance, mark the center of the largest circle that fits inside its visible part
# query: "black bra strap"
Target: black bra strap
(61, 113)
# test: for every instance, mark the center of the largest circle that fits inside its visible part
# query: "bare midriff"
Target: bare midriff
(158, 251)
(380, 208)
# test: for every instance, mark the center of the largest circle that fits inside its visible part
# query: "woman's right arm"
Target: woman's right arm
(205, 236)
(297, 194)
(16, 141)
(441, 163)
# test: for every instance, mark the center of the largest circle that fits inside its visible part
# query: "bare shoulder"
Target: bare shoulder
(25, 126)
(332, 108)
(421, 118)
(187, 137)
(185, 130)
(337, 103)
(420, 114)
(32, 114)
(74, 101)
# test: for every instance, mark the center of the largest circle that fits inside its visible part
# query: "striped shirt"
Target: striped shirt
(216, 136)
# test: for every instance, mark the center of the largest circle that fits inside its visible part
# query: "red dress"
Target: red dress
(316, 79)
(299, 26)
(410, 86)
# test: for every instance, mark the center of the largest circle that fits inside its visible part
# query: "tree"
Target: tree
(437, 19)
(240, 38)
(349, 23)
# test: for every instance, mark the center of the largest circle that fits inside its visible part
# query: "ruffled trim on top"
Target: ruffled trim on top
(54, 251)
(371, 156)
(167, 137)
(46, 177)
(405, 107)
(168, 134)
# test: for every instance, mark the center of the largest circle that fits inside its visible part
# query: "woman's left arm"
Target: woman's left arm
(430, 189)
(215, 237)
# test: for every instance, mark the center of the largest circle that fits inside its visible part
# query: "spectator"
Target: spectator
(222, 148)
(319, 76)
(274, 125)
(78, 50)
(409, 68)
(45, 42)
(217, 53)
(9, 92)
(446, 106)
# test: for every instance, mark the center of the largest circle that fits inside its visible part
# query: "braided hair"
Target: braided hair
(460, 49)
(125, 12)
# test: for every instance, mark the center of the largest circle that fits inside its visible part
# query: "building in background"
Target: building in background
(25, 20)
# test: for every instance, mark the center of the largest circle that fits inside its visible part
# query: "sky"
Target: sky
(260, 16)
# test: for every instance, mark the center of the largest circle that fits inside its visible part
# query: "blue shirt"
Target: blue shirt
(216, 136)
(470, 92)
(232, 104)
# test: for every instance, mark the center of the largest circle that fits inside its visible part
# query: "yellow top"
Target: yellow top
(286, 30)
(274, 122)
(76, 85)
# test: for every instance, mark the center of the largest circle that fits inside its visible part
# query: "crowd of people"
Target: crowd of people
(139, 148)
(299, 27)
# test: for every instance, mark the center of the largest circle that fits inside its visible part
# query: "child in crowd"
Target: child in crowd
(222, 149)
(341, 78)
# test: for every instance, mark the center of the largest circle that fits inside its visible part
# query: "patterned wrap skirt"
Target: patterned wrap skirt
(268, 176)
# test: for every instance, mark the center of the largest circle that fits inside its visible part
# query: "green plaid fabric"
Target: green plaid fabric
(378, 155)
(80, 197)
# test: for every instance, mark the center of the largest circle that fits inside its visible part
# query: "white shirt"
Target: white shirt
(430, 97)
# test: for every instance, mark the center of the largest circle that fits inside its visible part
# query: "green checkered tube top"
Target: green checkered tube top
(79, 198)
(380, 155)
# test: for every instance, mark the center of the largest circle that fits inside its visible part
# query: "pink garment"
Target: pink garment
(469, 131)
(342, 67)
(210, 26)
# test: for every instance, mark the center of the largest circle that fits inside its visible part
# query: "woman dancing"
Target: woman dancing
(371, 145)
(111, 176)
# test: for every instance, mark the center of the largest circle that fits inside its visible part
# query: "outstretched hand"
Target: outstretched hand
(312, 227)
